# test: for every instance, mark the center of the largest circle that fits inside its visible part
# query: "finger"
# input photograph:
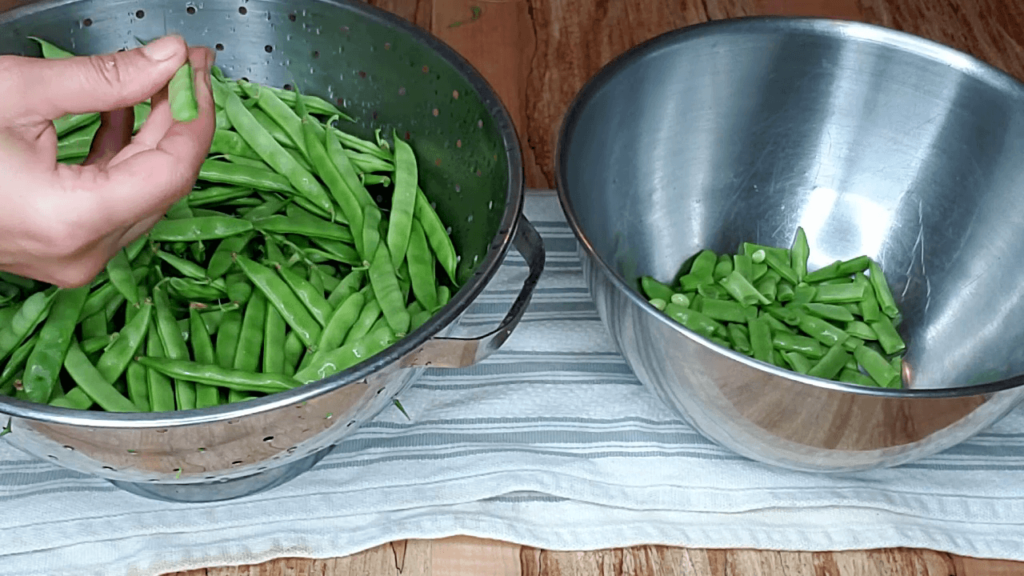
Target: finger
(51, 88)
(114, 134)
(158, 123)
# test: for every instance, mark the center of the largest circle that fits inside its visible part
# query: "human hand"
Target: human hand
(59, 223)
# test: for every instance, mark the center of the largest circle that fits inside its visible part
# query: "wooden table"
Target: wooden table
(537, 54)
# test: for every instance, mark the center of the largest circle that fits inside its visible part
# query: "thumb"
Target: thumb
(53, 88)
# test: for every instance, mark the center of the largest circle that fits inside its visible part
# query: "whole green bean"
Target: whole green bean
(283, 299)
(88, 378)
(340, 157)
(347, 356)
(174, 346)
(29, 315)
(55, 336)
(215, 375)
(116, 359)
(279, 112)
(228, 142)
(328, 171)
(349, 285)
(18, 359)
(341, 322)
(387, 292)
(75, 399)
(220, 172)
(161, 392)
(437, 235)
(288, 225)
(421, 268)
(205, 228)
(403, 201)
(273, 154)
(227, 339)
(274, 330)
(182, 95)
(250, 338)
(138, 386)
(202, 351)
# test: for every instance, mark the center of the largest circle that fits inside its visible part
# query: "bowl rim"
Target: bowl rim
(853, 30)
(460, 301)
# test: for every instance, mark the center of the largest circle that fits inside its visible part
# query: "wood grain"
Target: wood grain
(537, 54)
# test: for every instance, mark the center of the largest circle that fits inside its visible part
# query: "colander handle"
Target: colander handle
(463, 352)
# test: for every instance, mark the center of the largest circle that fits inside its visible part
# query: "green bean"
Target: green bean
(340, 157)
(654, 289)
(757, 270)
(777, 325)
(876, 367)
(854, 265)
(828, 311)
(881, 288)
(115, 360)
(349, 285)
(897, 364)
(202, 351)
(403, 202)
(724, 311)
(273, 154)
(742, 290)
(287, 225)
(826, 273)
(18, 359)
(279, 112)
(217, 376)
(768, 284)
(738, 339)
(797, 362)
(860, 330)
(695, 320)
(367, 317)
(268, 208)
(829, 366)
(421, 268)
(281, 296)
(223, 123)
(821, 330)
(703, 267)
(723, 267)
(371, 231)
(337, 186)
(293, 351)
(364, 163)
(274, 329)
(337, 251)
(138, 386)
(161, 392)
(658, 303)
(838, 293)
(71, 122)
(341, 322)
(228, 142)
(781, 266)
(237, 175)
(204, 228)
(888, 338)
(436, 234)
(273, 129)
(55, 336)
(854, 377)
(250, 338)
(310, 297)
(239, 290)
(852, 343)
(347, 356)
(788, 314)
(215, 195)
(29, 315)
(77, 143)
(375, 180)
(174, 347)
(185, 267)
(760, 339)
(222, 258)
(51, 51)
(784, 292)
(786, 342)
(803, 294)
(75, 399)
(317, 280)
(227, 339)
(88, 378)
(387, 291)
(182, 96)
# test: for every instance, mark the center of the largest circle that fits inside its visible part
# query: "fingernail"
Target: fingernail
(163, 49)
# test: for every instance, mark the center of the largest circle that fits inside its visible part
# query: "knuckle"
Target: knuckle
(106, 70)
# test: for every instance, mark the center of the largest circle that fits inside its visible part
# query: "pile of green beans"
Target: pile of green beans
(836, 322)
(302, 251)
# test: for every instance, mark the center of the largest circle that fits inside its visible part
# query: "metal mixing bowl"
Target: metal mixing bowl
(876, 142)
(388, 74)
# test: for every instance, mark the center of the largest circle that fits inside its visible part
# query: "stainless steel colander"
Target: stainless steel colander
(386, 73)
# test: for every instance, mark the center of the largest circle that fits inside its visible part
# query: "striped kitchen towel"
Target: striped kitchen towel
(552, 443)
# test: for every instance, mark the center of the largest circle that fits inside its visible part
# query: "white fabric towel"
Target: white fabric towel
(539, 445)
